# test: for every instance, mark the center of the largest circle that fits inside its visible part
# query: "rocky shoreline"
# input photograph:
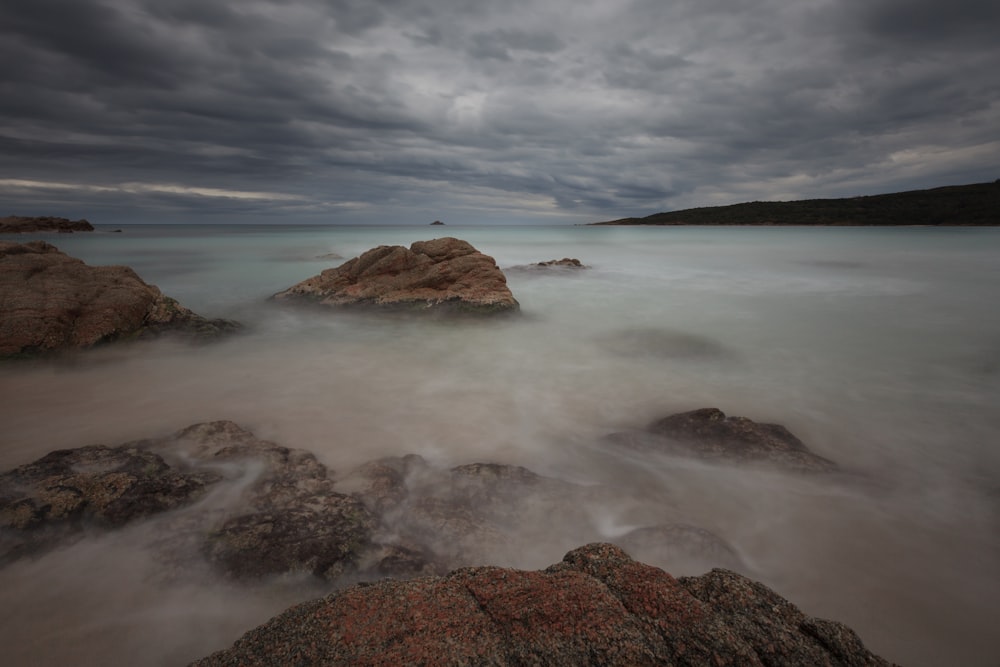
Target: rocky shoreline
(253, 511)
(400, 517)
(55, 303)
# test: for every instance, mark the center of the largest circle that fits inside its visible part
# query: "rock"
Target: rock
(566, 263)
(287, 517)
(51, 302)
(17, 224)
(464, 515)
(442, 275)
(273, 510)
(437, 222)
(596, 607)
(680, 545)
(709, 434)
(56, 497)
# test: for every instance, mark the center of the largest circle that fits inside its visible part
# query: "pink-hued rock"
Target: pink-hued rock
(444, 274)
(596, 607)
(50, 301)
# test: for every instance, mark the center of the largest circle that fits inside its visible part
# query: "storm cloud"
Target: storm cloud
(356, 111)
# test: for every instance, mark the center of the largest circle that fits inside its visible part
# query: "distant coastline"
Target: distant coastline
(19, 224)
(976, 205)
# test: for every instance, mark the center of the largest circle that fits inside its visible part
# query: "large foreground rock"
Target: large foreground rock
(18, 224)
(51, 301)
(445, 274)
(596, 607)
(709, 434)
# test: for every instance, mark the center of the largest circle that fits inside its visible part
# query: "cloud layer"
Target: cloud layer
(400, 111)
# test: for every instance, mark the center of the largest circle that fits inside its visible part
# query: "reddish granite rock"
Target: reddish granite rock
(596, 607)
(17, 224)
(51, 301)
(709, 434)
(444, 274)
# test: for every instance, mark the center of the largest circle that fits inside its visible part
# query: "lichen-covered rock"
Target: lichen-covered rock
(709, 434)
(54, 498)
(273, 510)
(596, 607)
(51, 301)
(442, 275)
(286, 519)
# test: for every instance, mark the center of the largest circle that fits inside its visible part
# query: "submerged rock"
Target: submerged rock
(287, 518)
(681, 545)
(709, 434)
(56, 497)
(596, 607)
(566, 264)
(282, 514)
(52, 302)
(442, 275)
(18, 224)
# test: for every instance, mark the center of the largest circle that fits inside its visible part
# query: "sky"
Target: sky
(498, 111)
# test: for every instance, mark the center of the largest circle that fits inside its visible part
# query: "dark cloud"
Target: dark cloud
(385, 110)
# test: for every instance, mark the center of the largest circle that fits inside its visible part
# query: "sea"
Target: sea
(878, 347)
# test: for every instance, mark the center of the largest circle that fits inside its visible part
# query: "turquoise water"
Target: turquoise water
(879, 347)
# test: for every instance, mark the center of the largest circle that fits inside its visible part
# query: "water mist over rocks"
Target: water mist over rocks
(873, 347)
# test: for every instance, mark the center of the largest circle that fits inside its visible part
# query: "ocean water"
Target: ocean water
(878, 347)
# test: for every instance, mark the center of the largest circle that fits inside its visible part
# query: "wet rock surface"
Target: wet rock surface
(709, 434)
(57, 497)
(19, 224)
(53, 302)
(596, 607)
(283, 516)
(273, 509)
(441, 275)
(270, 510)
(554, 265)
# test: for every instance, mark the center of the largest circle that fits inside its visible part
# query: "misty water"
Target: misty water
(879, 348)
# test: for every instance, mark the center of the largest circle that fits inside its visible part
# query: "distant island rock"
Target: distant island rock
(53, 302)
(595, 607)
(17, 224)
(437, 222)
(441, 275)
(958, 205)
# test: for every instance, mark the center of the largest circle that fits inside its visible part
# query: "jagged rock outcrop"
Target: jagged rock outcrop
(51, 302)
(442, 275)
(709, 434)
(18, 224)
(596, 607)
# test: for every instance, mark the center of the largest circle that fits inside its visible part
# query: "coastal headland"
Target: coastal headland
(957, 205)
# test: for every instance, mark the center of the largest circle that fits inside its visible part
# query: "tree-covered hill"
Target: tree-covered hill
(976, 204)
